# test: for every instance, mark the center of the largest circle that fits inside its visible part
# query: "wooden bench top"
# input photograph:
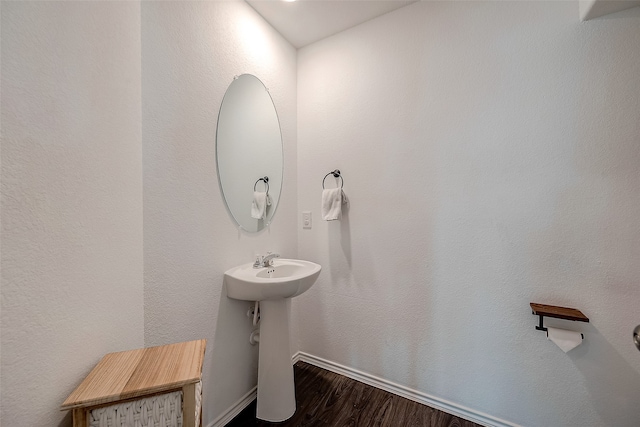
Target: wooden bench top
(140, 372)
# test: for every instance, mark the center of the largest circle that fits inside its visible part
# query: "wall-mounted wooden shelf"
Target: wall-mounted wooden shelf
(557, 312)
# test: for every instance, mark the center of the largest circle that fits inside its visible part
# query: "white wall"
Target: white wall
(72, 283)
(491, 155)
(190, 53)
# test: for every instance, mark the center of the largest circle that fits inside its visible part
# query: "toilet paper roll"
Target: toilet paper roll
(566, 340)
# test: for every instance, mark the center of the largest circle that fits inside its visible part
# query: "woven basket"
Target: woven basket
(163, 410)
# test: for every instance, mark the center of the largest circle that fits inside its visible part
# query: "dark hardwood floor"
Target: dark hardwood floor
(328, 399)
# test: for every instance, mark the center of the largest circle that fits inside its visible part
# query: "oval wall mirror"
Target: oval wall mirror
(249, 152)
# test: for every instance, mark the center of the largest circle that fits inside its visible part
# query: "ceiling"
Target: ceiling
(305, 21)
(591, 9)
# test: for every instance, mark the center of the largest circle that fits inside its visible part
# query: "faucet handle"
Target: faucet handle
(258, 262)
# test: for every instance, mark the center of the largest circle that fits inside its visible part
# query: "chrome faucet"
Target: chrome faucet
(265, 261)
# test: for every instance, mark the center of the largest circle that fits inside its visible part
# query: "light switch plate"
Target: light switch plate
(306, 219)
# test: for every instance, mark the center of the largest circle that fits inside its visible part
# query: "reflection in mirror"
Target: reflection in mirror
(248, 150)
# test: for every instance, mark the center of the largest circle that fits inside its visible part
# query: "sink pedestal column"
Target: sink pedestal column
(276, 389)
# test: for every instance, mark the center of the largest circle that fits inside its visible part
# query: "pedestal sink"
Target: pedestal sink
(272, 286)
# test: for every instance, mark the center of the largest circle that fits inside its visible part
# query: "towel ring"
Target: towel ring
(266, 183)
(336, 174)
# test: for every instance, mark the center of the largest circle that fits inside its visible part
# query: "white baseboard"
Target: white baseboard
(235, 409)
(400, 390)
(374, 381)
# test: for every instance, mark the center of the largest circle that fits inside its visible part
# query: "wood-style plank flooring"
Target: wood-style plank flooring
(327, 399)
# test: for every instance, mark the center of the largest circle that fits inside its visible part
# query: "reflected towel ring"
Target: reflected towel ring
(266, 183)
(336, 174)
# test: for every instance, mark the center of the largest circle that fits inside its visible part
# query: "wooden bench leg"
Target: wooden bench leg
(79, 417)
(189, 416)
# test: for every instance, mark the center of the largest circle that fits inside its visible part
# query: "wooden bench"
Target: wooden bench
(144, 386)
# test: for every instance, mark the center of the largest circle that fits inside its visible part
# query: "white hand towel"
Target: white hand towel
(332, 201)
(259, 206)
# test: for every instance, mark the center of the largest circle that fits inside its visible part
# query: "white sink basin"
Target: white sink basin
(287, 278)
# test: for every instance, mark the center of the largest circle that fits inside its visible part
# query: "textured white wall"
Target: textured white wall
(72, 283)
(491, 155)
(190, 53)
